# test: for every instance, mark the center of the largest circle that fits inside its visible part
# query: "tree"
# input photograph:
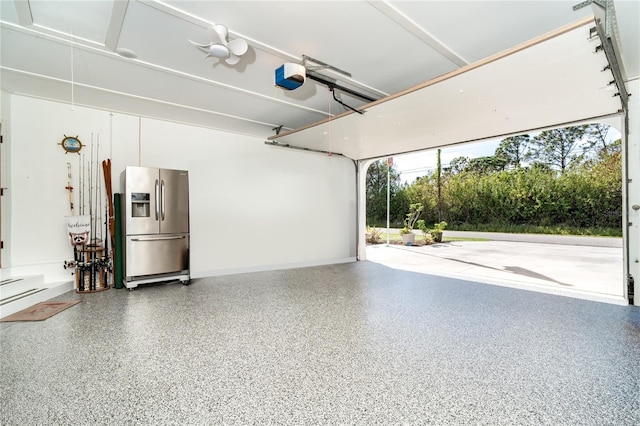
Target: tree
(513, 150)
(560, 148)
(488, 164)
(377, 192)
(599, 142)
(476, 165)
(424, 190)
(483, 191)
(458, 164)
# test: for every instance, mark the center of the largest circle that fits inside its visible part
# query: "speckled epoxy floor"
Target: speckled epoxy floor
(353, 343)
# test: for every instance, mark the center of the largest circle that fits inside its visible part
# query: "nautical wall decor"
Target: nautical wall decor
(71, 144)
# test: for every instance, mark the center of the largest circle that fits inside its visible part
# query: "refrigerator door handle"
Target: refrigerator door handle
(162, 192)
(157, 208)
(159, 238)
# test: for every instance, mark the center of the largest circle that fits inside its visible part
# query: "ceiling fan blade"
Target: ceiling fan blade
(203, 46)
(218, 34)
(233, 59)
(219, 51)
(238, 46)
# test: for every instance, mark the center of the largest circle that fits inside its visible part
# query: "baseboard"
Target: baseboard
(265, 268)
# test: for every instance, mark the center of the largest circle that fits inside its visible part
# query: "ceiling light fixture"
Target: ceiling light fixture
(126, 53)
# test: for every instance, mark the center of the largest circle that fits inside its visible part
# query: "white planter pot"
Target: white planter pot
(408, 239)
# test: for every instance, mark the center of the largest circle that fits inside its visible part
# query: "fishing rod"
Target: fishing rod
(92, 235)
(98, 204)
(109, 219)
(81, 183)
(100, 261)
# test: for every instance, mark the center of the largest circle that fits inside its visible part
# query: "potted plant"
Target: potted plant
(426, 232)
(408, 237)
(373, 235)
(437, 230)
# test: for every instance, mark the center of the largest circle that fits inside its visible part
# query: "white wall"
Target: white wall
(5, 229)
(253, 206)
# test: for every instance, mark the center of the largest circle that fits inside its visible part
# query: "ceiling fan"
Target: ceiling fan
(219, 47)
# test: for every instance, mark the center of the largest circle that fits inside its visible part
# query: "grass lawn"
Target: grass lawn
(445, 238)
(398, 238)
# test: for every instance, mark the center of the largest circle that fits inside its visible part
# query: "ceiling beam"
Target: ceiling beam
(409, 25)
(23, 10)
(115, 24)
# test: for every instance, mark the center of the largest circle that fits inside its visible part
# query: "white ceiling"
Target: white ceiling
(65, 51)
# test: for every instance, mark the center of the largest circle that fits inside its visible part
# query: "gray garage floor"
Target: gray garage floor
(356, 344)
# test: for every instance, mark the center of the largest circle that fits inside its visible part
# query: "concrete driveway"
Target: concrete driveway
(584, 267)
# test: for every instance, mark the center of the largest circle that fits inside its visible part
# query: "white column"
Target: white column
(363, 165)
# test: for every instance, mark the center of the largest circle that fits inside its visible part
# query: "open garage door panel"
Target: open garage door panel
(559, 78)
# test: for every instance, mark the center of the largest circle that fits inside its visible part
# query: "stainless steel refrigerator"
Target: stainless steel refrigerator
(155, 225)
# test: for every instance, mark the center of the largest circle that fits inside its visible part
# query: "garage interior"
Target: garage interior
(285, 322)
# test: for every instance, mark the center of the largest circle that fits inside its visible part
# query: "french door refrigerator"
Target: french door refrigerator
(155, 225)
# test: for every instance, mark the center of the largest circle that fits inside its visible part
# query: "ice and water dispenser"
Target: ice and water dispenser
(140, 204)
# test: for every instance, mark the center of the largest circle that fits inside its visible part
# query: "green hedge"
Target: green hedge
(588, 196)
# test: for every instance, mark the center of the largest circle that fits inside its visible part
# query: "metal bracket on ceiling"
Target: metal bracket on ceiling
(321, 65)
(614, 67)
(609, 17)
(311, 73)
(301, 148)
(331, 84)
(605, 36)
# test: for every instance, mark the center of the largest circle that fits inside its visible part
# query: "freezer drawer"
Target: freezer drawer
(156, 254)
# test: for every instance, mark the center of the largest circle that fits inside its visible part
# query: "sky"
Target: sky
(422, 163)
